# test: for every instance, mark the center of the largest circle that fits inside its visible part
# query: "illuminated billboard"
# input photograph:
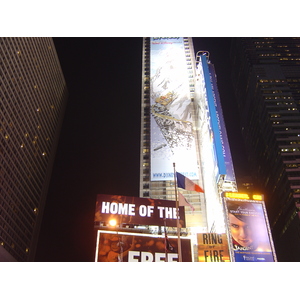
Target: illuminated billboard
(114, 246)
(213, 247)
(209, 164)
(138, 211)
(249, 232)
(224, 144)
(214, 116)
(172, 134)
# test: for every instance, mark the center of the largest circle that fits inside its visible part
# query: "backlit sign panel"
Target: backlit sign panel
(213, 247)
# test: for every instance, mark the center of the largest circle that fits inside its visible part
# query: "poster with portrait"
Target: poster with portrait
(249, 231)
(113, 246)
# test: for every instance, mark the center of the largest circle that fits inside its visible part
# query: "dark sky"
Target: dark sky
(98, 150)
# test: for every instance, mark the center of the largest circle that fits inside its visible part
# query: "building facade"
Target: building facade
(33, 97)
(266, 79)
(182, 130)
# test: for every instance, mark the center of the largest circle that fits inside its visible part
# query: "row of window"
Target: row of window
(14, 193)
(41, 76)
(23, 163)
(20, 105)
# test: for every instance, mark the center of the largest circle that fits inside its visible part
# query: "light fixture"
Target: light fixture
(112, 222)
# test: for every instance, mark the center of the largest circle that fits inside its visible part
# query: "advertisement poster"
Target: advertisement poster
(138, 211)
(172, 134)
(125, 247)
(213, 247)
(249, 232)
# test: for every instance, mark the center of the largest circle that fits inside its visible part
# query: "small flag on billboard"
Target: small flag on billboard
(183, 201)
(187, 184)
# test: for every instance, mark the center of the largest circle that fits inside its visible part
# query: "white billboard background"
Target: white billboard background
(172, 136)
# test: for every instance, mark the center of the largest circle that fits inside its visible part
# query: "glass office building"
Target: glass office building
(33, 97)
(182, 125)
(266, 79)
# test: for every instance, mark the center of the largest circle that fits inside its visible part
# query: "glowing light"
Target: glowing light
(237, 195)
(112, 222)
(244, 196)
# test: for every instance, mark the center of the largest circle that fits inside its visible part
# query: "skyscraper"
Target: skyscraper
(33, 97)
(266, 79)
(182, 124)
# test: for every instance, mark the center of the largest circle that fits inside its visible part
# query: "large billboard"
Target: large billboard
(138, 211)
(213, 247)
(172, 134)
(249, 232)
(113, 246)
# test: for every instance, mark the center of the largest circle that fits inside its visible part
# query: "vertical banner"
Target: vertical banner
(248, 228)
(213, 247)
(214, 117)
(172, 135)
(114, 246)
(222, 129)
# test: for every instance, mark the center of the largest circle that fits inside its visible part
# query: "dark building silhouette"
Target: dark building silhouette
(266, 80)
(33, 97)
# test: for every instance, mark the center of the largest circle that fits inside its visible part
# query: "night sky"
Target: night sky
(98, 150)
